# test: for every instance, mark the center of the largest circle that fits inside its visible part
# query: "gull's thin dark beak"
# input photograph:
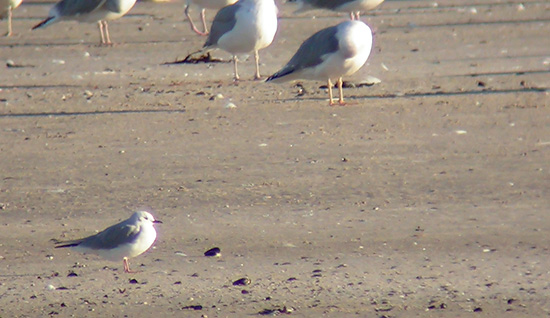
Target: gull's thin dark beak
(157, 221)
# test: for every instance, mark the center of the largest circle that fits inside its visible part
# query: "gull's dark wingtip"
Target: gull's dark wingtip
(272, 77)
(44, 23)
(60, 244)
(279, 75)
(67, 245)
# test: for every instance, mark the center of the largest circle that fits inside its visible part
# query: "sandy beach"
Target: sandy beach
(428, 195)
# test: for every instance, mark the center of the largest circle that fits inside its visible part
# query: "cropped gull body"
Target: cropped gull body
(354, 7)
(203, 5)
(6, 8)
(99, 11)
(121, 241)
(329, 54)
(244, 27)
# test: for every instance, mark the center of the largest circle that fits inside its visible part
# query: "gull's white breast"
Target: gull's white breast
(254, 30)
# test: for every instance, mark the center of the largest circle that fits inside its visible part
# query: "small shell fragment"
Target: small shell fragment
(230, 105)
(88, 94)
(213, 97)
(371, 80)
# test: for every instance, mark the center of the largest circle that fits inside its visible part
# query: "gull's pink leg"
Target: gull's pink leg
(127, 266)
(341, 92)
(9, 22)
(257, 59)
(329, 85)
(193, 27)
(107, 37)
(235, 60)
(100, 25)
(203, 18)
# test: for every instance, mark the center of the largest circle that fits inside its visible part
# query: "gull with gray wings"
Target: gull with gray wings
(129, 238)
(99, 11)
(244, 27)
(331, 53)
(354, 7)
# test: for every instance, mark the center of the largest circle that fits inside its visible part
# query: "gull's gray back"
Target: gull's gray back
(121, 233)
(311, 52)
(224, 21)
(77, 7)
(327, 4)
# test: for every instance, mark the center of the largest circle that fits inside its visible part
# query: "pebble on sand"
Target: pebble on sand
(242, 282)
(213, 252)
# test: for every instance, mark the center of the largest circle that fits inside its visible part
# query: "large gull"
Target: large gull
(99, 11)
(354, 7)
(329, 54)
(244, 27)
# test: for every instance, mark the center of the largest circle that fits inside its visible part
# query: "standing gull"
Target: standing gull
(6, 8)
(354, 7)
(203, 5)
(331, 53)
(99, 11)
(126, 239)
(244, 27)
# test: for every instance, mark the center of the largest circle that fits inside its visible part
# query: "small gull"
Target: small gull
(354, 7)
(331, 53)
(244, 27)
(203, 5)
(99, 11)
(6, 8)
(126, 239)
